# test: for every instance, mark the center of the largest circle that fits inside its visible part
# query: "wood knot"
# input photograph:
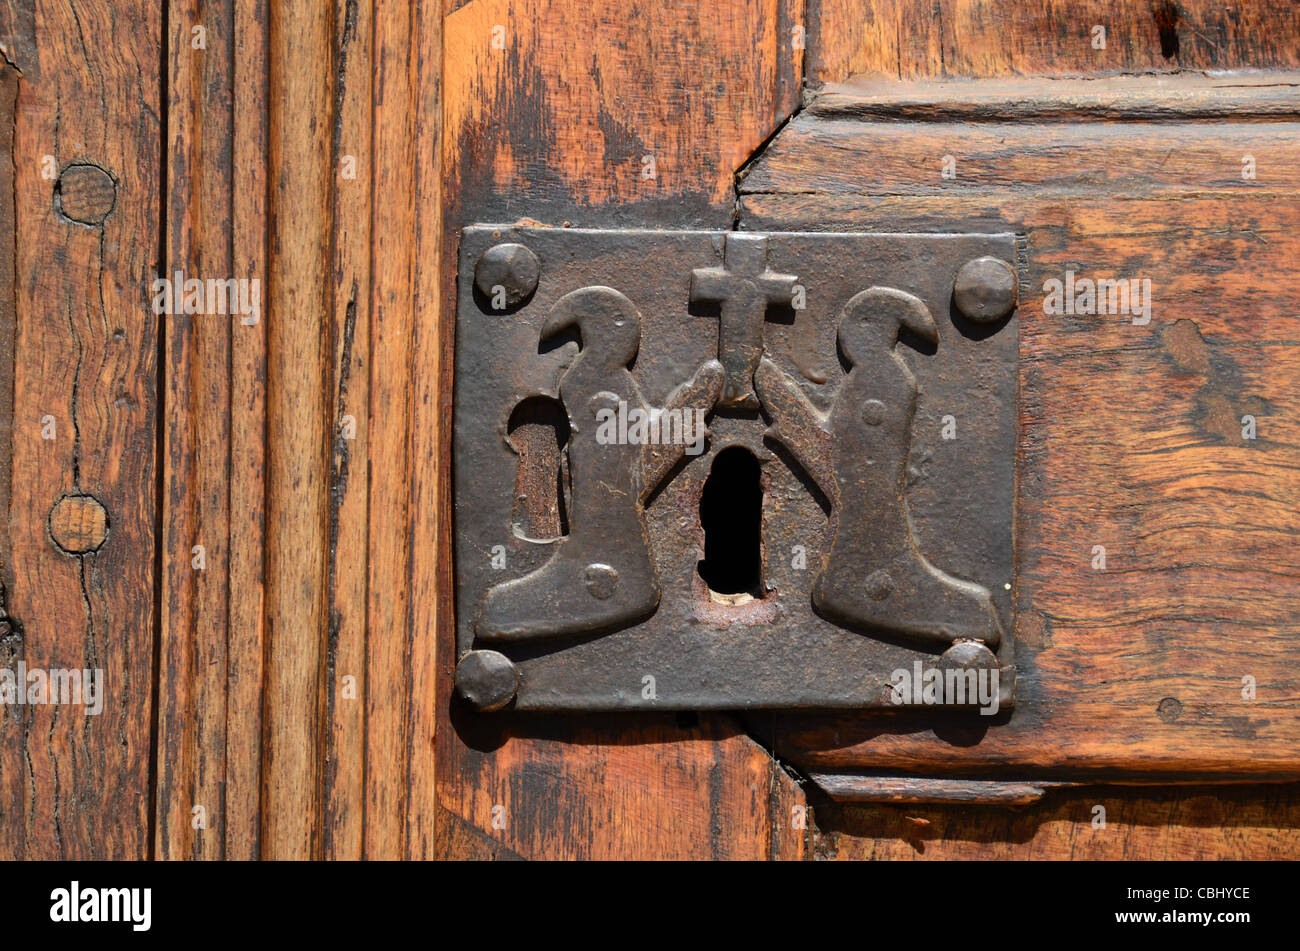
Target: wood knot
(85, 193)
(78, 524)
(1169, 709)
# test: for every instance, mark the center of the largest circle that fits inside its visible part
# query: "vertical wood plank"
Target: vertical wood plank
(247, 616)
(194, 562)
(11, 720)
(298, 408)
(423, 511)
(344, 774)
(356, 797)
(388, 697)
(208, 744)
(85, 359)
(352, 751)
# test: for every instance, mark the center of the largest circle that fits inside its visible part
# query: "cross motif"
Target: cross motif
(745, 288)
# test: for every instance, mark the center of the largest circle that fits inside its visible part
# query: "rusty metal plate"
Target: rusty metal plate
(727, 470)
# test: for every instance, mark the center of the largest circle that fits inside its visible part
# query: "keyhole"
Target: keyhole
(731, 514)
(538, 431)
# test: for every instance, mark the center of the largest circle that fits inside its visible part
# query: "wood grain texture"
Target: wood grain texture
(553, 108)
(336, 768)
(246, 612)
(424, 502)
(12, 793)
(298, 427)
(398, 791)
(210, 642)
(18, 38)
(895, 789)
(909, 39)
(85, 350)
(194, 628)
(350, 319)
(1032, 159)
(1241, 97)
(655, 790)
(1130, 436)
(1194, 823)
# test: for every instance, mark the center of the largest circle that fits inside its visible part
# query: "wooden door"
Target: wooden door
(242, 514)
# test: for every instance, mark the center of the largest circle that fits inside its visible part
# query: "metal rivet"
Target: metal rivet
(986, 289)
(508, 271)
(85, 193)
(78, 524)
(601, 580)
(879, 585)
(969, 655)
(873, 412)
(487, 679)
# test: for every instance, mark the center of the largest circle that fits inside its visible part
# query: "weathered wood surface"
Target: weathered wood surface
(304, 672)
(913, 39)
(654, 789)
(1131, 435)
(555, 109)
(427, 494)
(286, 697)
(86, 192)
(211, 619)
(348, 430)
(1203, 97)
(404, 510)
(12, 727)
(1206, 823)
(246, 616)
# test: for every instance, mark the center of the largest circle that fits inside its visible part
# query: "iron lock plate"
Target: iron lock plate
(868, 379)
